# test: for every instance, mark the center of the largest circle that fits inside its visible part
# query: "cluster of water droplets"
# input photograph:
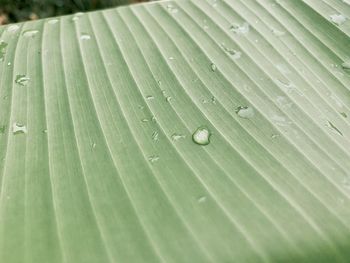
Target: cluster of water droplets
(3, 46)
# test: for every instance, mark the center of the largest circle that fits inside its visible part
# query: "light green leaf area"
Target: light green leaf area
(185, 131)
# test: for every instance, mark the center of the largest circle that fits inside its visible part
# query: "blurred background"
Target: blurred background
(12, 11)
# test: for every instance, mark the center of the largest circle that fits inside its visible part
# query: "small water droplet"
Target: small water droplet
(18, 128)
(153, 158)
(346, 65)
(22, 80)
(171, 58)
(234, 53)
(213, 67)
(177, 136)
(9, 64)
(155, 136)
(245, 112)
(85, 37)
(12, 28)
(52, 21)
(240, 29)
(275, 136)
(338, 19)
(149, 97)
(30, 33)
(45, 131)
(153, 119)
(202, 199)
(168, 99)
(201, 136)
(93, 145)
(145, 120)
(172, 9)
(344, 114)
(159, 82)
(3, 46)
(278, 33)
(77, 16)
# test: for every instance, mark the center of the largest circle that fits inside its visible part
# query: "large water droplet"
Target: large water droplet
(245, 112)
(240, 29)
(338, 19)
(201, 136)
(30, 33)
(3, 46)
(18, 128)
(22, 80)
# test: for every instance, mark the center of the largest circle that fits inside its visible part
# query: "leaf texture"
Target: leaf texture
(97, 113)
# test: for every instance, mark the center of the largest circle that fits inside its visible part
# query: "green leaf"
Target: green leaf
(187, 131)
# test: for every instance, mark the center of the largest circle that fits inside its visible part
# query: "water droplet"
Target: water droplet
(153, 158)
(234, 53)
(155, 136)
(275, 136)
(278, 33)
(344, 114)
(240, 29)
(18, 128)
(212, 100)
(145, 120)
(52, 21)
(346, 65)
(159, 82)
(2, 129)
(177, 136)
(22, 80)
(331, 126)
(338, 19)
(12, 28)
(77, 16)
(202, 199)
(213, 67)
(153, 119)
(9, 64)
(245, 112)
(201, 136)
(3, 46)
(45, 131)
(168, 99)
(149, 97)
(172, 9)
(85, 37)
(93, 146)
(30, 33)
(171, 58)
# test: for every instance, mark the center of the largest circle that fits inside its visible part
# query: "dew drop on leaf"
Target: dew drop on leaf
(153, 158)
(213, 67)
(85, 37)
(177, 136)
(22, 80)
(338, 19)
(245, 112)
(201, 136)
(18, 128)
(30, 33)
